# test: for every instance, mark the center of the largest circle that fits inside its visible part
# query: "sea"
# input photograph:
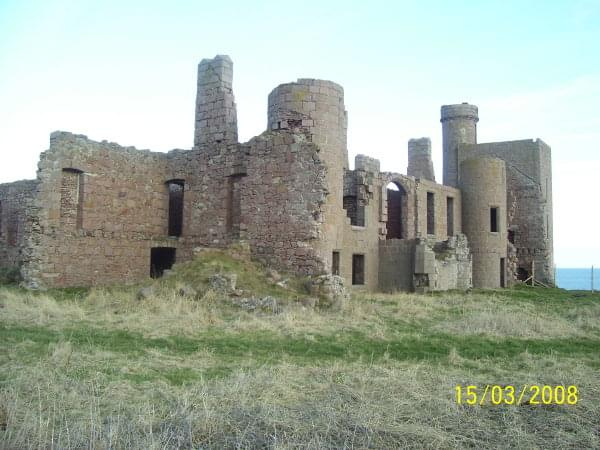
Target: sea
(578, 279)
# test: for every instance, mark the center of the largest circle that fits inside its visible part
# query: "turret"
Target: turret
(483, 185)
(216, 116)
(459, 126)
(420, 164)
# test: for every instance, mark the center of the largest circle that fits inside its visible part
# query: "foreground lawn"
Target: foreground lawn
(101, 369)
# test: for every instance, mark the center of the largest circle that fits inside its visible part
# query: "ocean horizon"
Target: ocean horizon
(577, 278)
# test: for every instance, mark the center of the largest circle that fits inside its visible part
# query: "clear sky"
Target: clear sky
(126, 72)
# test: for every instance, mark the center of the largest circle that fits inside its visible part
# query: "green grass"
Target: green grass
(100, 368)
(268, 347)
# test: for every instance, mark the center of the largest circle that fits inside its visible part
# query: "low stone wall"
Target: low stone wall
(396, 265)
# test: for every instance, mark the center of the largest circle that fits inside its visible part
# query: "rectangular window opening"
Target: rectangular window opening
(176, 188)
(358, 269)
(502, 273)
(71, 198)
(449, 216)
(335, 263)
(430, 213)
(233, 206)
(161, 259)
(494, 220)
(355, 210)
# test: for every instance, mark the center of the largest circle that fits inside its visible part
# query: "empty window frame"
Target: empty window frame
(494, 219)
(233, 205)
(71, 198)
(335, 263)
(430, 213)
(358, 269)
(396, 206)
(355, 210)
(450, 216)
(176, 189)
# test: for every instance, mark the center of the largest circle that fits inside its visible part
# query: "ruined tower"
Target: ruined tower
(316, 107)
(216, 116)
(459, 126)
(420, 164)
(483, 185)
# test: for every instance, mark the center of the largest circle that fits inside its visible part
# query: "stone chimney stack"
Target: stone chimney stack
(419, 159)
(216, 116)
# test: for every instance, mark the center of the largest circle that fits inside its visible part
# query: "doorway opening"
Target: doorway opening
(161, 259)
(358, 269)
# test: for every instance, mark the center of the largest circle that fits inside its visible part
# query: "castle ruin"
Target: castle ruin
(100, 214)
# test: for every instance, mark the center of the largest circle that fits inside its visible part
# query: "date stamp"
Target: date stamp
(527, 394)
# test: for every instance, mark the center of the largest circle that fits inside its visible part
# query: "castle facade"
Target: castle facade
(100, 214)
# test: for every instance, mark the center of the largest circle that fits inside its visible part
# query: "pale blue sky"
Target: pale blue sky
(125, 72)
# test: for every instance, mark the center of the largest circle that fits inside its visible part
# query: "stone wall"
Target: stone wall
(453, 265)
(360, 239)
(440, 213)
(396, 265)
(424, 265)
(15, 221)
(282, 198)
(101, 208)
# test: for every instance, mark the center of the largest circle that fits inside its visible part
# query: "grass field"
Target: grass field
(98, 368)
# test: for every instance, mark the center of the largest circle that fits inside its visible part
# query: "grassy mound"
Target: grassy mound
(252, 278)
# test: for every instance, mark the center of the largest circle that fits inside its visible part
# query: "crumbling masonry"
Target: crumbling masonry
(99, 213)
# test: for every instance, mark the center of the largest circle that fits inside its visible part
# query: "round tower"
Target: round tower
(483, 185)
(316, 109)
(459, 126)
(316, 106)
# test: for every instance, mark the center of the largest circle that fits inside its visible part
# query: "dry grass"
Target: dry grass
(101, 369)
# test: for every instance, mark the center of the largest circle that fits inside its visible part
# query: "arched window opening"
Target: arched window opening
(396, 211)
